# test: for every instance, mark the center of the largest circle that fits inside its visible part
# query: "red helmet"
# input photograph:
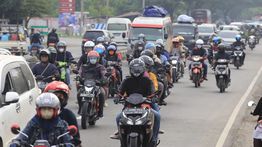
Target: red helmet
(93, 54)
(57, 86)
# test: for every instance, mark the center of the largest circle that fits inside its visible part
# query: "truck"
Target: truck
(201, 16)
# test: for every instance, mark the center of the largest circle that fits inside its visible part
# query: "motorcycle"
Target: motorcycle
(162, 77)
(176, 68)
(196, 70)
(41, 83)
(71, 130)
(222, 74)
(89, 92)
(252, 42)
(136, 122)
(238, 57)
(114, 80)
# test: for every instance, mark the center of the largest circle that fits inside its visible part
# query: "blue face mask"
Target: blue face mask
(93, 60)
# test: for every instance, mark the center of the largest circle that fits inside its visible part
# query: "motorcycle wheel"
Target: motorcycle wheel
(174, 76)
(133, 142)
(85, 115)
(221, 83)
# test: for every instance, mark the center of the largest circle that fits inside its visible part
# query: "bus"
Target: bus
(201, 16)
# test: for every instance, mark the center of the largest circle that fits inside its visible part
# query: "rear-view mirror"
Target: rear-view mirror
(11, 97)
(165, 36)
(123, 35)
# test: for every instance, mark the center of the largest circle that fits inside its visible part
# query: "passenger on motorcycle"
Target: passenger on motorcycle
(137, 83)
(221, 54)
(200, 51)
(181, 43)
(44, 70)
(241, 44)
(101, 51)
(112, 55)
(61, 90)
(88, 46)
(179, 51)
(52, 37)
(94, 71)
(163, 51)
(64, 56)
(45, 125)
(35, 40)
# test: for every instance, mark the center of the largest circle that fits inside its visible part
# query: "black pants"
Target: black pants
(257, 142)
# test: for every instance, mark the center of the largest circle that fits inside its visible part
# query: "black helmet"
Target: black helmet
(159, 48)
(141, 37)
(54, 30)
(149, 62)
(140, 45)
(222, 47)
(137, 67)
(148, 53)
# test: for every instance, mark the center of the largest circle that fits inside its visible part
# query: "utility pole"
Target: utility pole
(143, 4)
(82, 17)
(107, 6)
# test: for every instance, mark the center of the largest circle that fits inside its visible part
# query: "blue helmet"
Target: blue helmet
(111, 47)
(238, 37)
(100, 49)
(151, 46)
(215, 40)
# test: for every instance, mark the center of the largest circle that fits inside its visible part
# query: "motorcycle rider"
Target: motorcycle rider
(52, 37)
(214, 48)
(221, 54)
(45, 69)
(134, 53)
(241, 44)
(100, 40)
(142, 37)
(180, 51)
(64, 56)
(101, 51)
(200, 51)
(94, 71)
(35, 40)
(111, 55)
(45, 125)
(163, 50)
(88, 46)
(61, 90)
(137, 83)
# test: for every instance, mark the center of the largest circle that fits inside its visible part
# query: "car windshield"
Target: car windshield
(183, 30)
(227, 34)
(205, 29)
(116, 27)
(93, 35)
(151, 34)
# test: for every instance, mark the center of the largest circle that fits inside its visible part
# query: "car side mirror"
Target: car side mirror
(165, 36)
(123, 35)
(11, 97)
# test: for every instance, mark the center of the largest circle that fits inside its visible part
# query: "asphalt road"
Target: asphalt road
(194, 117)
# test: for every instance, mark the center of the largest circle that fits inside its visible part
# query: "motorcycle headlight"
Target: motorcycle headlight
(128, 120)
(139, 121)
(174, 61)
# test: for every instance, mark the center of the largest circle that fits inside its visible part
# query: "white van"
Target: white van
(153, 28)
(119, 28)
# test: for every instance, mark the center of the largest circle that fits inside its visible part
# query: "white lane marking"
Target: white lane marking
(79, 117)
(232, 118)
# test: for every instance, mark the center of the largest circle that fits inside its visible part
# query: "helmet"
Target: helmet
(111, 49)
(47, 100)
(100, 40)
(175, 40)
(113, 43)
(151, 46)
(140, 45)
(5, 52)
(148, 53)
(160, 42)
(199, 43)
(222, 47)
(100, 49)
(93, 57)
(61, 46)
(159, 48)
(106, 40)
(58, 86)
(44, 52)
(181, 38)
(52, 50)
(147, 60)
(137, 67)
(54, 30)
(238, 37)
(89, 44)
(141, 37)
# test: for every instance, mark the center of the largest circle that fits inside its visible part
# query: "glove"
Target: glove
(39, 77)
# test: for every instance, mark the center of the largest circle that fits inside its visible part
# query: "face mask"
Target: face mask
(199, 46)
(61, 50)
(140, 48)
(47, 113)
(93, 60)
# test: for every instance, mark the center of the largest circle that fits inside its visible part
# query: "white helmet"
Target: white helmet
(4, 52)
(199, 42)
(49, 100)
(90, 44)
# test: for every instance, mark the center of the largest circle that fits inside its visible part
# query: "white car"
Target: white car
(17, 98)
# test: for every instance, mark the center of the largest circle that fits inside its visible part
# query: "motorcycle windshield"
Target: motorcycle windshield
(135, 99)
(89, 83)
